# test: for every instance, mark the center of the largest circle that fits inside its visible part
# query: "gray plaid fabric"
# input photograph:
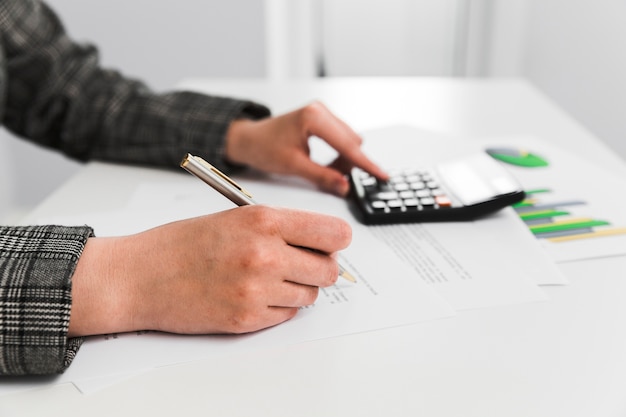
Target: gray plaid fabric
(36, 266)
(54, 93)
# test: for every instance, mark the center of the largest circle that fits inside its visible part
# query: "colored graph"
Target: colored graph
(559, 221)
(517, 157)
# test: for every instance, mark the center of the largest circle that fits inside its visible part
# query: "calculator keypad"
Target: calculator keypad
(406, 190)
(461, 189)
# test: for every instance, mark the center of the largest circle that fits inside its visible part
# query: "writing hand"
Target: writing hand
(235, 271)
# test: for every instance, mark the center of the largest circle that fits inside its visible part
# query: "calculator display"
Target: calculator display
(462, 189)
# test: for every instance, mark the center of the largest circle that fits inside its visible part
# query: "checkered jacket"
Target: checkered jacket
(53, 92)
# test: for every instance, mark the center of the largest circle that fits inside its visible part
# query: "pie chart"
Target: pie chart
(517, 157)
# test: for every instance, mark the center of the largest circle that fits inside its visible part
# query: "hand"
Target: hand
(280, 145)
(234, 271)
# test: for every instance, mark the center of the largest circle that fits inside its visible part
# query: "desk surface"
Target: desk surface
(564, 357)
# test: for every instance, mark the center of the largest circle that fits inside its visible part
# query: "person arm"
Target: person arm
(55, 94)
(58, 96)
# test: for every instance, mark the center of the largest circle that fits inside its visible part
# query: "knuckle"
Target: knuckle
(244, 321)
(245, 293)
(313, 111)
(245, 315)
(263, 217)
(258, 257)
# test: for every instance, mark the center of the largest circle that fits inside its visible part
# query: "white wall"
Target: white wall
(391, 37)
(164, 41)
(576, 53)
(573, 50)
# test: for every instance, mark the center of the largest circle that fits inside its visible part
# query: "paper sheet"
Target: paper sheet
(390, 291)
(385, 295)
(503, 232)
(574, 190)
(456, 259)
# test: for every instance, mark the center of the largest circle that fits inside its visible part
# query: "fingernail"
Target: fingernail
(341, 188)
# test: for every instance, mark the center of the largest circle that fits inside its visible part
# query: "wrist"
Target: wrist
(235, 143)
(102, 290)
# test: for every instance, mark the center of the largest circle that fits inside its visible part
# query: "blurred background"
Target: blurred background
(572, 50)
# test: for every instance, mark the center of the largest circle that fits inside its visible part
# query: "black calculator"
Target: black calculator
(461, 189)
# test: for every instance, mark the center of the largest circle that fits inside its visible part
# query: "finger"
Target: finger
(341, 164)
(314, 231)
(263, 318)
(310, 268)
(326, 178)
(342, 138)
(294, 295)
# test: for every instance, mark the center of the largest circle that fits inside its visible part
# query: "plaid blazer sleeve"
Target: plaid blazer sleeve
(36, 267)
(59, 96)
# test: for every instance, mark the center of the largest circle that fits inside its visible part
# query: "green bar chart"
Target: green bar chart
(556, 221)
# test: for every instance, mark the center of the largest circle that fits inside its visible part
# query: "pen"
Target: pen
(229, 188)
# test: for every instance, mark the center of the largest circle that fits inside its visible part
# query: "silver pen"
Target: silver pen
(229, 189)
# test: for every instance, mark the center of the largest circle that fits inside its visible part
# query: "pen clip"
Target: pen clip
(227, 178)
(217, 172)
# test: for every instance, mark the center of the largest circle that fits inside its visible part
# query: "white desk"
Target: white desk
(564, 357)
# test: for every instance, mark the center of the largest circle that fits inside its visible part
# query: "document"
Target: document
(502, 233)
(405, 274)
(467, 272)
(464, 262)
(385, 294)
(574, 208)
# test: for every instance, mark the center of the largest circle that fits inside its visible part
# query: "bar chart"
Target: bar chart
(557, 221)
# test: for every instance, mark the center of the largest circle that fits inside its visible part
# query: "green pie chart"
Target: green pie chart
(517, 157)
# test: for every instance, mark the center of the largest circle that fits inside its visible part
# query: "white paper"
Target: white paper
(406, 146)
(385, 295)
(571, 178)
(389, 291)
(486, 269)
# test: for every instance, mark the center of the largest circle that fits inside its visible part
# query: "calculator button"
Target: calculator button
(427, 201)
(385, 195)
(368, 182)
(432, 184)
(443, 201)
(407, 194)
(411, 202)
(437, 191)
(394, 204)
(401, 186)
(417, 185)
(379, 205)
(422, 193)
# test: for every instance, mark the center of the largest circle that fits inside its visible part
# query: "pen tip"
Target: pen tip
(345, 274)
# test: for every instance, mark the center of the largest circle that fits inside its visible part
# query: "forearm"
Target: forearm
(60, 97)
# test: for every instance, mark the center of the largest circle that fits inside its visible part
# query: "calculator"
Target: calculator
(461, 189)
